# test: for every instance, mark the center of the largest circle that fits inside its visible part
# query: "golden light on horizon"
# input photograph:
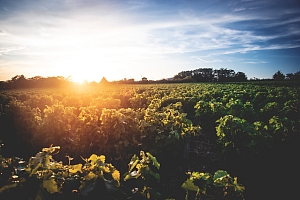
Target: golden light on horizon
(78, 79)
(85, 66)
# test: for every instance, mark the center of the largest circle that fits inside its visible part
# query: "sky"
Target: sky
(156, 39)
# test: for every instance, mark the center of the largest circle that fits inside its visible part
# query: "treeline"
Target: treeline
(210, 75)
(221, 75)
(20, 81)
(197, 75)
(204, 75)
(279, 76)
(227, 75)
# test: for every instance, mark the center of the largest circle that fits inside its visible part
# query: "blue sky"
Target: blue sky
(153, 38)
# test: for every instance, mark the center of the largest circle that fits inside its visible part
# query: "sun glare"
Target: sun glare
(90, 66)
(78, 79)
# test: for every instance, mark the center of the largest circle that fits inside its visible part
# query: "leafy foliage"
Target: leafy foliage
(139, 168)
(234, 132)
(247, 120)
(203, 186)
(74, 181)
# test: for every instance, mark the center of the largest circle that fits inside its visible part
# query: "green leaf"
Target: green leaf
(175, 133)
(48, 160)
(221, 178)
(237, 187)
(55, 165)
(154, 161)
(133, 164)
(93, 158)
(134, 174)
(36, 169)
(50, 185)
(189, 185)
(102, 158)
(127, 176)
(90, 176)
(156, 175)
(116, 176)
(51, 149)
(75, 168)
(7, 187)
(220, 174)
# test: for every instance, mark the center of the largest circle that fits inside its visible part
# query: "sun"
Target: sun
(81, 74)
(77, 78)
(86, 75)
(89, 67)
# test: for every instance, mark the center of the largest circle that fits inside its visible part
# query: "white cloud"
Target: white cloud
(284, 22)
(7, 50)
(239, 9)
(255, 62)
(209, 61)
(3, 32)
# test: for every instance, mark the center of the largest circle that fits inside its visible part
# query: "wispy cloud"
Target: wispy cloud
(2, 32)
(137, 4)
(209, 61)
(179, 32)
(7, 50)
(283, 22)
(255, 62)
(239, 9)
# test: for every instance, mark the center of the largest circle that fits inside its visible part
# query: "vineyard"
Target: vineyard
(151, 141)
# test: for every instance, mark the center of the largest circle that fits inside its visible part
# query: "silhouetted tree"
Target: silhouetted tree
(297, 76)
(278, 76)
(224, 75)
(208, 75)
(18, 81)
(203, 74)
(103, 80)
(240, 77)
(293, 76)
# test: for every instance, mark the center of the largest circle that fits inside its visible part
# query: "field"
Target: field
(146, 140)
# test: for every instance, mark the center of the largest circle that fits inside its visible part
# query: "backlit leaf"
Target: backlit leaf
(93, 158)
(50, 185)
(75, 168)
(102, 158)
(189, 185)
(116, 175)
(154, 161)
(90, 176)
(220, 174)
